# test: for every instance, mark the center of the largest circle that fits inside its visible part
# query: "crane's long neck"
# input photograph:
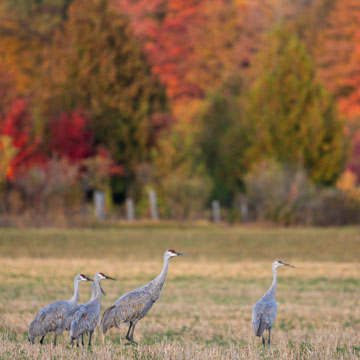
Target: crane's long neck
(75, 298)
(162, 276)
(93, 291)
(158, 282)
(98, 294)
(272, 289)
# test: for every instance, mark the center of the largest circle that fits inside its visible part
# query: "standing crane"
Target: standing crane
(133, 306)
(265, 310)
(71, 316)
(87, 317)
(53, 316)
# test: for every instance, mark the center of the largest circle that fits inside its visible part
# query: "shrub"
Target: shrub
(285, 195)
(185, 197)
(53, 188)
(275, 191)
(332, 207)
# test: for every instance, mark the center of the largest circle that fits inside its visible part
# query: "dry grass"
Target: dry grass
(205, 309)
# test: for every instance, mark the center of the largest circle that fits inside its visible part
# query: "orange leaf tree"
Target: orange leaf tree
(97, 65)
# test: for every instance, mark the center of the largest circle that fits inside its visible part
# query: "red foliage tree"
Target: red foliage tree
(338, 58)
(339, 68)
(71, 136)
(17, 124)
(172, 47)
(188, 41)
(350, 104)
(354, 163)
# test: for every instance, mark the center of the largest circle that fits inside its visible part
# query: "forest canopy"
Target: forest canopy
(190, 98)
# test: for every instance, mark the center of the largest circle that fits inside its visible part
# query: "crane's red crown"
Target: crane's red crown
(102, 274)
(172, 251)
(82, 275)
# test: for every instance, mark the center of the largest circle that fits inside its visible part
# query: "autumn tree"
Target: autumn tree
(7, 91)
(223, 113)
(38, 18)
(96, 64)
(308, 19)
(170, 49)
(294, 118)
(7, 154)
(70, 136)
(338, 57)
(26, 28)
(17, 126)
(193, 46)
(284, 115)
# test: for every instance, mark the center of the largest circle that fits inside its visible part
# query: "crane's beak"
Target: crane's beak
(289, 265)
(109, 277)
(180, 254)
(88, 279)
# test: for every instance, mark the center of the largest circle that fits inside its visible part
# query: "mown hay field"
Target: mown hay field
(204, 311)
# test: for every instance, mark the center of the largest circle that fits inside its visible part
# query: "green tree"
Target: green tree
(289, 115)
(222, 114)
(96, 64)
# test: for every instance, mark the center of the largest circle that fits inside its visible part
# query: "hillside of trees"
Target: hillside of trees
(254, 103)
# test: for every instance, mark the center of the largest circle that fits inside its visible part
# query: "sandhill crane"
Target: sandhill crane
(265, 310)
(71, 316)
(53, 316)
(87, 317)
(133, 306)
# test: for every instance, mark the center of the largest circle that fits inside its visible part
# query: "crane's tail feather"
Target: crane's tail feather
(107, 320)
(260, 327)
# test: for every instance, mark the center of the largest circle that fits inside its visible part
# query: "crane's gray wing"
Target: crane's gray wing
(85, 320)
(133, 306)
(129, 308)
(69, 319)
(263, 315)
(52, 317)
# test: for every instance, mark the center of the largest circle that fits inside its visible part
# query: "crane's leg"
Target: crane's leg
(42, 340)
(91, 332)
(55, 340)
(128, 332)
(269, 336)
(263, 340)
(82, 340)
(132, 334)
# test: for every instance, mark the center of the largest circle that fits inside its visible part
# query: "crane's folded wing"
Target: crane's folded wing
(132, 306)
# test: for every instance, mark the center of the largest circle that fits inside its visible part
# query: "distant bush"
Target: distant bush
(185, 197)
(330, 207)
(285, 195)
(53, 190)
(275, 191)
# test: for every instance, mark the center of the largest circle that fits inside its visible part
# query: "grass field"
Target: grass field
(204, 311)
